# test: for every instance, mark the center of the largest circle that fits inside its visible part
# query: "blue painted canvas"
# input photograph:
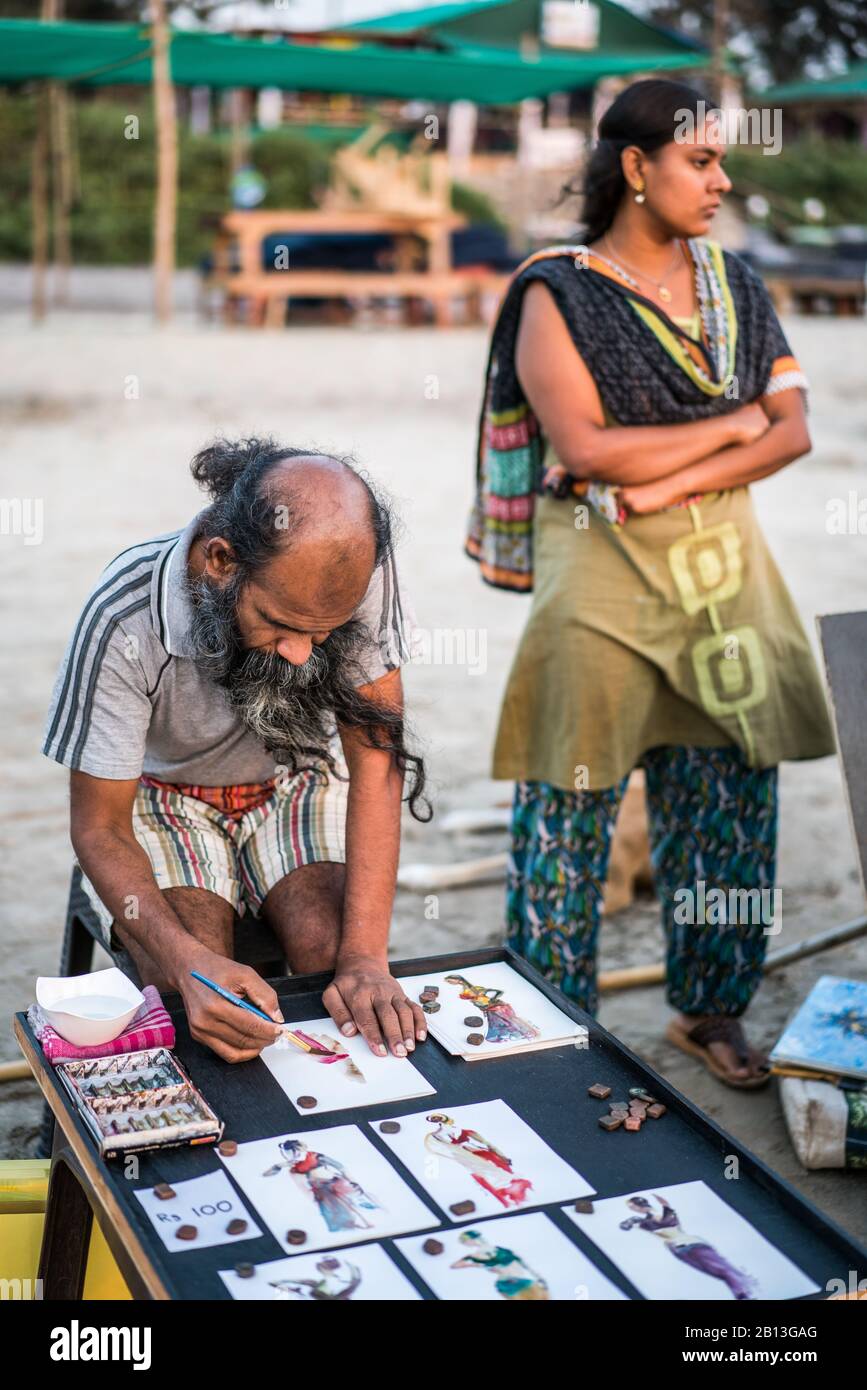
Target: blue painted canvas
(829, 1031)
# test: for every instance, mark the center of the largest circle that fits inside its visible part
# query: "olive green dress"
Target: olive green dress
(674, 629)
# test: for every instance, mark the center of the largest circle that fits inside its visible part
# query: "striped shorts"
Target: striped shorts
(237, 843)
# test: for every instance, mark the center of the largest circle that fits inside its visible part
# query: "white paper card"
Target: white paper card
(330, 1183)
(685, 1242)
(511, 1013)
(208, 1203)
(363, 1274)
(340, 1072)
(516, 1259)
(485, 1154)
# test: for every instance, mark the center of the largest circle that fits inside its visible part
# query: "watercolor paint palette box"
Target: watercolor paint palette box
(139, 1100)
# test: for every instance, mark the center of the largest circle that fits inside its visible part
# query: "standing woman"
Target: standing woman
(636, 387)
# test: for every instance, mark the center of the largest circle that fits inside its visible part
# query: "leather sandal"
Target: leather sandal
(723, 1029)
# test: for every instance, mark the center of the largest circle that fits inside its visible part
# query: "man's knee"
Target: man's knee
(305, 911)
(206, 916)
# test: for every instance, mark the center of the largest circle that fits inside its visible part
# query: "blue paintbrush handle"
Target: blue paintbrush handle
(229, 996)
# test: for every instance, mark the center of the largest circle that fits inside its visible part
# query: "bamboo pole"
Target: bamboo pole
(16, 1071)
(718, 47)
(61, 190)
(165, 210)
(634, 976)
(39, 212)
(39, 207)
(61, 171)
(239, 148)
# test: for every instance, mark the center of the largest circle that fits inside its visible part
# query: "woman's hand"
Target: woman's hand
(749, 423)
(640, 499)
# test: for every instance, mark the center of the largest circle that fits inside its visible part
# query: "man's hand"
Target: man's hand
(233, 1033)
(364, 998)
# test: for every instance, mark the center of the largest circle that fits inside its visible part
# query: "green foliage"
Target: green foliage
(833, 170)
(112, 218)
(475, 207)
(783, 37)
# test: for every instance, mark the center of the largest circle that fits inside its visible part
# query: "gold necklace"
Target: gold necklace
(662, 291)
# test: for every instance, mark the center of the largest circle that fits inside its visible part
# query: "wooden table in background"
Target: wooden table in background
(242, 277)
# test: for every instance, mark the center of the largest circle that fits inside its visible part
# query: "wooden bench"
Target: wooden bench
(847, 295)
(261, 296)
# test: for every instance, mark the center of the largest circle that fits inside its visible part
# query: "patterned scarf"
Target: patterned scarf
(657, 377)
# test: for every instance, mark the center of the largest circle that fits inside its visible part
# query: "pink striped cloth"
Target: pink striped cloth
(150, 1027)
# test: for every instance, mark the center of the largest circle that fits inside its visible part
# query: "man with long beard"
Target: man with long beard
(230, 708)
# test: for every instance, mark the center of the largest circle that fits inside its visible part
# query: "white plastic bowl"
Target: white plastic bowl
(91, 1009)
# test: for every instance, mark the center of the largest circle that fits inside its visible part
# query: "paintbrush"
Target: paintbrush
(251, 1008)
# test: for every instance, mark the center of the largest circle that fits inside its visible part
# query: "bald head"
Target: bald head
(324, 510)
(298, 535)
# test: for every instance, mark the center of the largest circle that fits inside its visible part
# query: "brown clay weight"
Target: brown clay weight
(390, 1127)
(296, 1237)
(433, 1247)
(473, 1021)
(431, 1008)
(462, 1208)
(186, 1232)
(245, 1271)
(227, 1147)
(584, 1206)
(598, 1091)
(164, 1191)
(432, 989)
(307, 1102)
(656, 1110)
(611, 1121)
(633, 1123)
(236, 1226)
(475, 1039)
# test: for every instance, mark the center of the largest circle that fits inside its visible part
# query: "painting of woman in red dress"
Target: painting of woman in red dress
(487, 1166)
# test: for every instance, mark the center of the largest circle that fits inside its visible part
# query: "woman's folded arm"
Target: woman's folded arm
(565, 399)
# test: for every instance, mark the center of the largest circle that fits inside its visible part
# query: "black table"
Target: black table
(548, 1089)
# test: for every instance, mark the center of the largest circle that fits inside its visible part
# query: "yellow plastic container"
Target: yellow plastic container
(23, 1192)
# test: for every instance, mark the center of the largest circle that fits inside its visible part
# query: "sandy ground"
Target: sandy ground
(111, 470)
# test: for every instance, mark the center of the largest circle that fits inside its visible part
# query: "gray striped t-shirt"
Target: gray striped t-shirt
(129, 699)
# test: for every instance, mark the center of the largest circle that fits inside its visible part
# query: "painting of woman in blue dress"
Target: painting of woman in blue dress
(342, 1203)
(504, 1025)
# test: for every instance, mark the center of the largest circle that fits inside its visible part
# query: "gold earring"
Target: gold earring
(639, 193)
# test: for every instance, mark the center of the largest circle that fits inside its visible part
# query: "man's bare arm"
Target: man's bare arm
(120, 871)
(364, 995)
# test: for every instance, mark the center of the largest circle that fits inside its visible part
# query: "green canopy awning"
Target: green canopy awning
(851, 85)
(105, 54)
(508, 24)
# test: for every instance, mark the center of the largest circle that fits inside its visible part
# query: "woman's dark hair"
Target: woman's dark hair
(646, 114)
(236, 474)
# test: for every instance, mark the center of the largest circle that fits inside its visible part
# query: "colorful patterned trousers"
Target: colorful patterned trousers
(713, 825)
